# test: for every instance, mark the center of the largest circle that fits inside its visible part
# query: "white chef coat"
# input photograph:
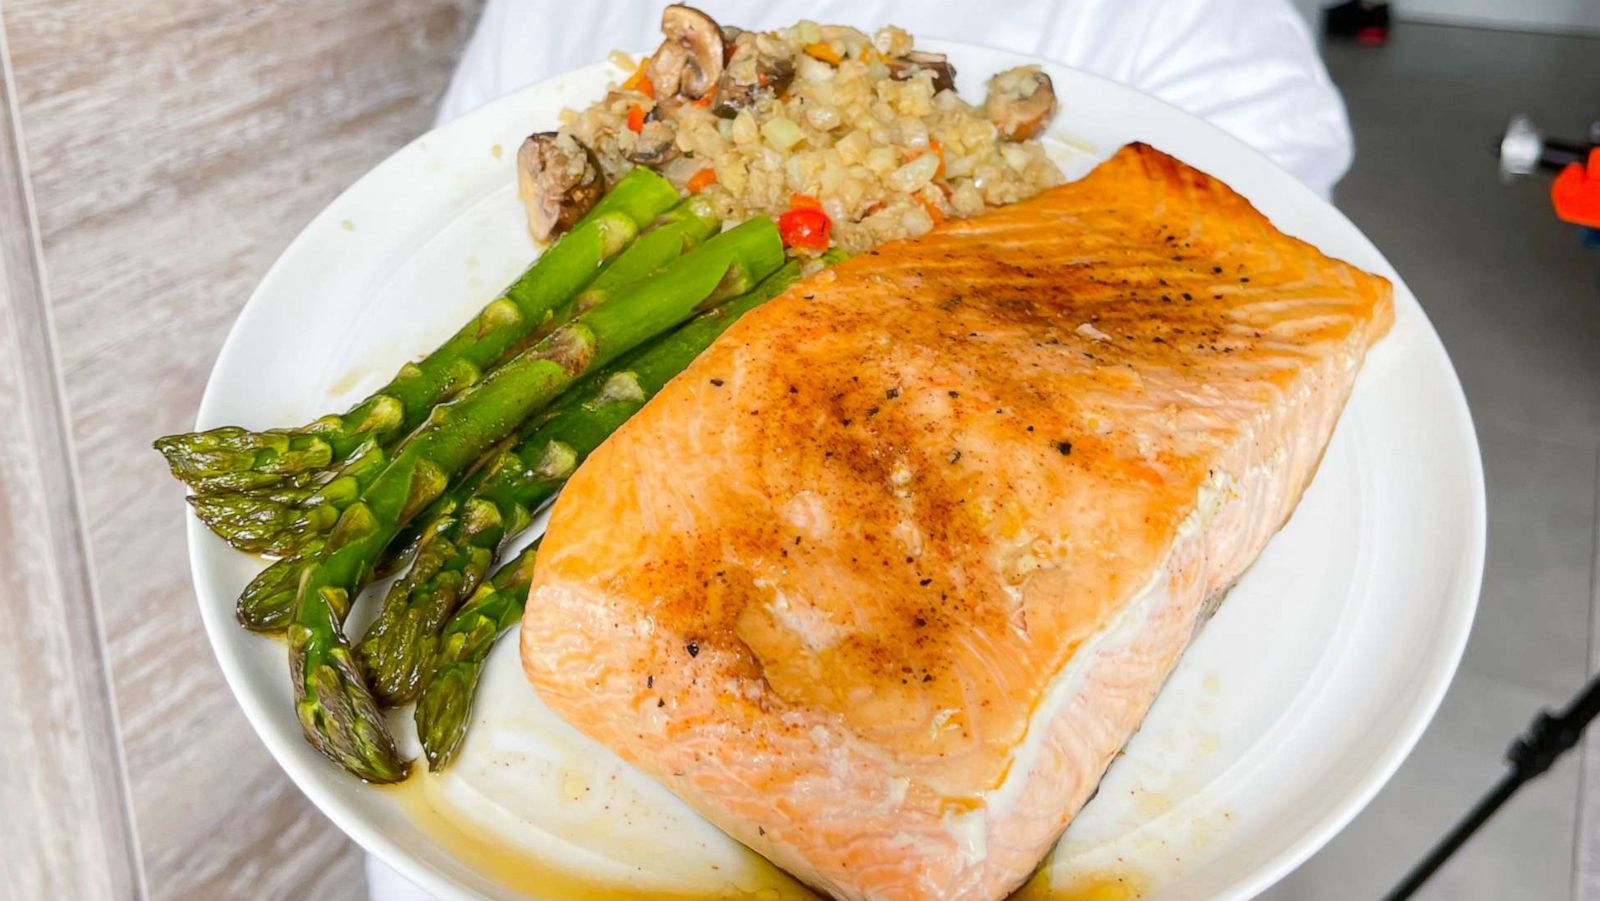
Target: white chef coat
(1248, 66)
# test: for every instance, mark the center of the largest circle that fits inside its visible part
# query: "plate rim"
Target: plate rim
(1467, 569)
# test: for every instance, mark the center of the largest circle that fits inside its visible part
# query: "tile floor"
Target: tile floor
(1517, 301)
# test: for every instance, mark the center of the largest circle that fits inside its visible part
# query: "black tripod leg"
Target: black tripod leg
(1550, 736)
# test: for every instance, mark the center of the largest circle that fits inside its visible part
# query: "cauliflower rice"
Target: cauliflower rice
(886, 158)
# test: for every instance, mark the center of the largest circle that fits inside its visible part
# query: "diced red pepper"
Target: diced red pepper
(636, 118)
(701, 180)
(804, 202)
(805, 229)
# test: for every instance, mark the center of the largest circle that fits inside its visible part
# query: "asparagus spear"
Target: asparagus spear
(266, 603)
(460, 547)
(525, 307)
(336, 709)
(446, 700)
(675, 233)
(280, 519)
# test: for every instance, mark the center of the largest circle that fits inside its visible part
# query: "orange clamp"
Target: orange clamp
(1576, 192)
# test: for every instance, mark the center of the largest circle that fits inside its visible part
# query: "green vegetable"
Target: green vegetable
(336, 708)
(280, 519)
(457, 664)
(209, 458)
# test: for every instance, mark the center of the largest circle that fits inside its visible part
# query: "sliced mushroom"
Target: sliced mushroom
(558, 179)
(901, 68)
(665, 68)
(750, 77)
(689, 62)
(1020, 102)
(657, 142)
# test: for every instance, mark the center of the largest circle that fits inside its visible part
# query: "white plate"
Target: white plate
(1290, 711)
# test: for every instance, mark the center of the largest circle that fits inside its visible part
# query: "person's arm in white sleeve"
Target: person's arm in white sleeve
(519, 42)
(1250, 67)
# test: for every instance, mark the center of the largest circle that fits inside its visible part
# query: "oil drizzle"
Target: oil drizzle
(496, 859)
(1105, 886)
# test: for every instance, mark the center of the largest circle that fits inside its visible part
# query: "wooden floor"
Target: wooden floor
(171, 148)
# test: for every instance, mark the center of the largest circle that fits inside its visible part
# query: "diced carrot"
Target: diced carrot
(636, 118)
(934, 213)
(705, 101)
(804, 202)
(823, 51)
(701, 180)
(639, 81)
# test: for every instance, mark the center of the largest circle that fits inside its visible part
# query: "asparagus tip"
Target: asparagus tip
(338, 714)
(442, 711)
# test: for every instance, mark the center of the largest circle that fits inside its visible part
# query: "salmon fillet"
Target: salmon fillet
(885, 579)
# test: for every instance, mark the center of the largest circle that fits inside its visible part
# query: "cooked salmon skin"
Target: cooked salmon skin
(883, 581)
